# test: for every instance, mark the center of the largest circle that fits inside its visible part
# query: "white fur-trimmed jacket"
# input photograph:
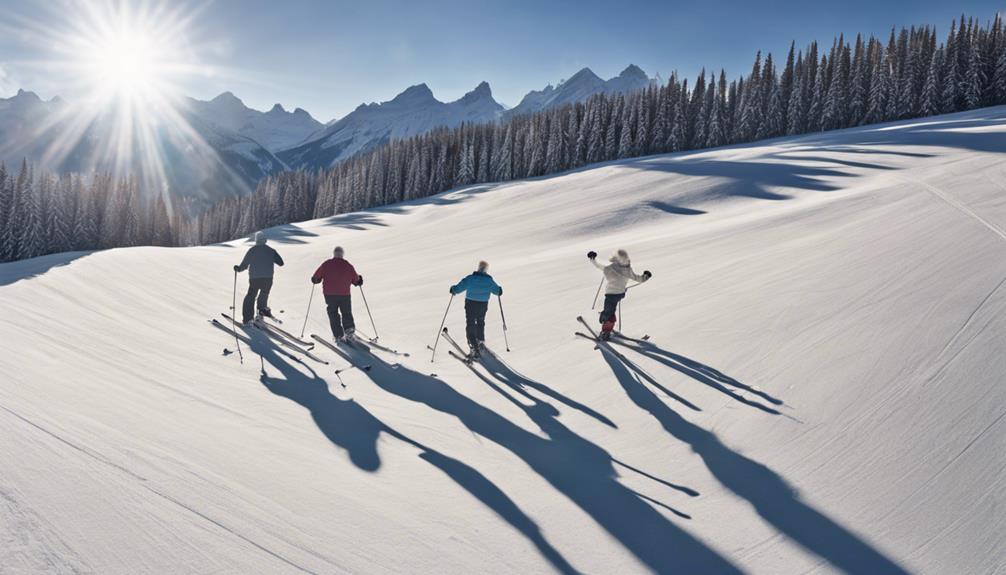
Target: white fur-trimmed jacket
(617, 274)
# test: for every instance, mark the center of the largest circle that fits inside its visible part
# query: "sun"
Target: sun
(126, 64)
(121, 68)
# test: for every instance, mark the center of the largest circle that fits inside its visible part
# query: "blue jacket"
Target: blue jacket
(480, 286)
(260, 260)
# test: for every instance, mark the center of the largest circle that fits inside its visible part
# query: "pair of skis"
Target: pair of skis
(284, 338)
(341, 353)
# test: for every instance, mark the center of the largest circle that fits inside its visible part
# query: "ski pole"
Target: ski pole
(599, 286)
(368, 313)
(503, 317)
(439, 331)
(234, 311)
(308, 314)
(620, 315)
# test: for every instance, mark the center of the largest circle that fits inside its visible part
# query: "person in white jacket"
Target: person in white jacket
(617, 275)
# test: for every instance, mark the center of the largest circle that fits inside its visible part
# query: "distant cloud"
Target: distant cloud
(8, 86)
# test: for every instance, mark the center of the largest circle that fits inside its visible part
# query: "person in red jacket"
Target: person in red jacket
(335, 276)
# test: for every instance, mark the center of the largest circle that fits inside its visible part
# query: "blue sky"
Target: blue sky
(328, 56)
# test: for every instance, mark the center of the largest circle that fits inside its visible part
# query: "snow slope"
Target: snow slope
(824, 391)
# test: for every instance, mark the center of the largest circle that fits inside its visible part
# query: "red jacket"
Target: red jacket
(336, 275)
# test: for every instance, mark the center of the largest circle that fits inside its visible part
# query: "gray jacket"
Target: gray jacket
(259, 261)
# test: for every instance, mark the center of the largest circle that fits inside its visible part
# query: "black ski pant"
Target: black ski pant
(475, 318)
(607, 317)
(258, 288)
(340, 305)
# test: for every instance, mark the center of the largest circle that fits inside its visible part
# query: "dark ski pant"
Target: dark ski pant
(340, 305)
(608, 318)
(475, 318)
(258, 288)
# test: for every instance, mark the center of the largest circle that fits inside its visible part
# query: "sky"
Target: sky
(329, 56)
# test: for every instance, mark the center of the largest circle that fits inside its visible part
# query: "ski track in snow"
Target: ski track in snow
(822, 391)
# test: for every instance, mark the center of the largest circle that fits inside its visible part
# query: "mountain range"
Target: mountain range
(230, 146)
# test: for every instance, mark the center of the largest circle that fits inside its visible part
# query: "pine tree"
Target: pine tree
(999, 78)
(6, 205)
(974, 79)
(817, 98)
(31, 243)
(930, 105)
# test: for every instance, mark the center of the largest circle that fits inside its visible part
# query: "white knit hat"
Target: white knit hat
(259, 238)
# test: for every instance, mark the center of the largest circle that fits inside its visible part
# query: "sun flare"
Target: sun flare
(125, 66)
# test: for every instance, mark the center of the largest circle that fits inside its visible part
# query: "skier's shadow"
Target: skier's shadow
(703, 374)
(518, 382)
(582, 471)
(349, 425)
(772, 498)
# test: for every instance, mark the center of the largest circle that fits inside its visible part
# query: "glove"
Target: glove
(647, 275)
(237, 268)
(501, 292)
(358, 282)
(315, 280)
(591, 255)
(451, 289)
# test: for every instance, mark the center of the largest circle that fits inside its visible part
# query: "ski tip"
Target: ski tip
(444, 330)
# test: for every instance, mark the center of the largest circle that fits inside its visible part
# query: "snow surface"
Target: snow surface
(856, 277)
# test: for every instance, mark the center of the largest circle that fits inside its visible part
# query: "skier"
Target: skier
(479, 287)
(617, 273)
(259, 262)
(337, 275)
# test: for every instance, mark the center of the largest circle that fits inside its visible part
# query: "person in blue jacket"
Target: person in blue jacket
(478, 288)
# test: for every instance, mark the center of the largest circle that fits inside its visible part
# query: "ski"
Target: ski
(456, 345)
(343, 354)
(372, 342)
(217, 324)
(286, 334)
(620, 335)
(275, 336)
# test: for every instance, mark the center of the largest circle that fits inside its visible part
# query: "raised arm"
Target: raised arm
(276, 258)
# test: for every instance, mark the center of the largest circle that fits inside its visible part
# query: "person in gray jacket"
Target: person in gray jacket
(259, 262)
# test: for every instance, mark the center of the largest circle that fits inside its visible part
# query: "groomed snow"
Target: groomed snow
(824, 391)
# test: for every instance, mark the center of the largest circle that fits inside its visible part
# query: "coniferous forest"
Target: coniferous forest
(849, 83)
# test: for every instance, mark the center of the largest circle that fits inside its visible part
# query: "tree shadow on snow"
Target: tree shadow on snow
(13, 272)
(350, 426)
(582, 471)
(768, 493)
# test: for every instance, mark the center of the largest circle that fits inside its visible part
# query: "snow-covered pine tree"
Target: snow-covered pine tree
(817, 98)
(974, 78)
(32, 241)
(930, 102)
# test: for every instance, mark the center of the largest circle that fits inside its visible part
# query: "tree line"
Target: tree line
(852, 83)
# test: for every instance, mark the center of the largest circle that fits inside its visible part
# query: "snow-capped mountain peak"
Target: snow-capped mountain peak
(580, 86)
(274, 130)
(414, 111)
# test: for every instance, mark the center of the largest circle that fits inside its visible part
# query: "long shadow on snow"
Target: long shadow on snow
(702, 373)
(349, 425)
(509, 377)
(770, 495)
(577, 468)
